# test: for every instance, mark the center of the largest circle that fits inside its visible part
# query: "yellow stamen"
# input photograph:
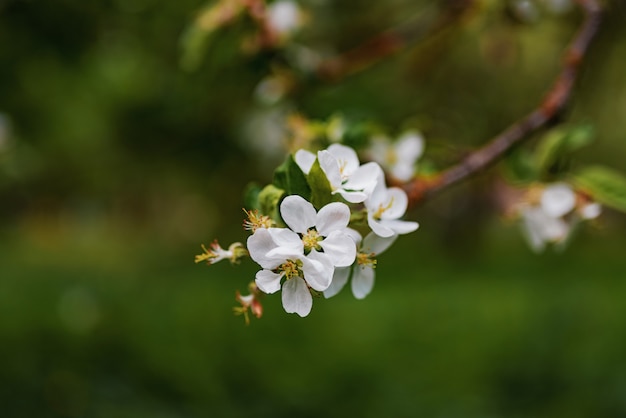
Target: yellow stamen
(381, 209)
(311, 240)
(364, 259)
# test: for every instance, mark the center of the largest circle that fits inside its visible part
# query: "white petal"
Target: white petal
(590, 211)
(259, 245)
(330, 167)
(297, 213)
(378, 195)
(397, 201)
(378, 228)
(340, 248)
(268, 281)
(346, 157)
(284, 253)
(340, 278)
(352, 197)
(284, 237)
(399, 227)
(558, 199)
(332, 217)
(296, 297)
(318, 270)
(379, 149)
(375, 244)
(362, 281)
(364, 178)
(532, 228)
(305, 160)
(354, 234)
(403, 171)
(409, 147)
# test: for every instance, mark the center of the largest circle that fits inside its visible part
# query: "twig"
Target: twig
(549, 108)
(391, 41)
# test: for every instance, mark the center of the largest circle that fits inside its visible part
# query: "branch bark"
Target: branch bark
(429, 23)
(548, 109)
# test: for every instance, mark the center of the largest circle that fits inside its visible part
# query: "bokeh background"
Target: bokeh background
(115, 165)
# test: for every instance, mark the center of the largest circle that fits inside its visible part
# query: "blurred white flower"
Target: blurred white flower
(285, 17)
(550, 217)
(398, 157)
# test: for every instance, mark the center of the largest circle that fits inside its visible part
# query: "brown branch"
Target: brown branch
(549, 108)
(393, 40)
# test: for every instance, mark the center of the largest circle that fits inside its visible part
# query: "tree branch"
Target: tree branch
(549, 108)
(391, 41)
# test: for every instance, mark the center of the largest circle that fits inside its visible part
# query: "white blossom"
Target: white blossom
(354, 182)
(551, 218)
(385, 207)
(346, 176)
(398, 157)
(305, 254)
(362, 270)
(284, 17)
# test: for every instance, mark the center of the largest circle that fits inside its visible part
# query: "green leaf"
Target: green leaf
(520, 168)
(194, 43)
(561, 141)
(604, 185)
(321, 192)
(289, 177)
(251, 196)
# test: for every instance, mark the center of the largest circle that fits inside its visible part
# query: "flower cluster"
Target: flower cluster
(550, 212)
(306, 229)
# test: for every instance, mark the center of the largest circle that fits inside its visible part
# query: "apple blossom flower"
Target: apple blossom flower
(385, 207)
(398, 157)
(352, 181)
(340, 163)
(550, 217)
(216, 253)
(305, 254)
(249, 302)
(284, 17)
(363, 269)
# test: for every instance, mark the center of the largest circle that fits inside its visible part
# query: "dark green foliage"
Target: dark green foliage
(603, 184)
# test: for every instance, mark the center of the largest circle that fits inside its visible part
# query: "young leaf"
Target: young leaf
(559, 142)
(321, 193)
(520, 168)
(251, 196)
(605, 185)
(289, 177)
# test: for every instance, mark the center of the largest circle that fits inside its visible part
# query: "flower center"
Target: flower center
(364, 259)
(382, 208)
(291, 269)
(391, 157)
(342, 167)
(311, 240)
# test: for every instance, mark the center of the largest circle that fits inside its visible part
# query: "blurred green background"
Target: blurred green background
(115, 165)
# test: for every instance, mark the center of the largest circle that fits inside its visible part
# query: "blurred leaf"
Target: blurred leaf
(559, 142)
(251, 196)
(196, 37)
(289, 177)
(520, 167)
(605, 185)
(194, 43)
(321, 192)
